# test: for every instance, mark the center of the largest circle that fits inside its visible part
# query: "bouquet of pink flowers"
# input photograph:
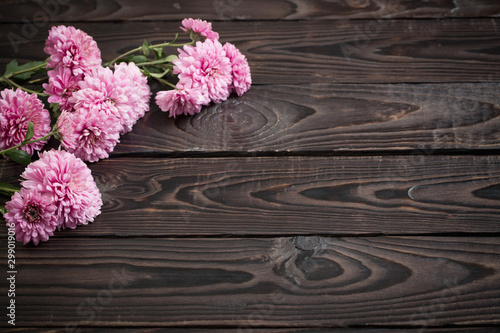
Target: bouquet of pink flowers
(93, 104)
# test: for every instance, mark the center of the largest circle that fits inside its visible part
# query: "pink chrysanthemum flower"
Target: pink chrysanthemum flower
(130, 76)
(184, 100)
(72, 48)
(62, 84)
(242, 80)
(32, 215)
(17, 109)
(67, 180)
(207, 66)
(101, 92)
(90, 136)
(199, 27)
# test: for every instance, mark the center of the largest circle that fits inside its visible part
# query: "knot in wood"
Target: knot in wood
(306, 243)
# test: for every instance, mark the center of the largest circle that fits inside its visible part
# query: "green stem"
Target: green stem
(43, 138)
(14, 84)
(137, 49)
(155, 62)
(123, 56)
(8, 191)
(166, 82)
(35, 68)
(38, 80)
(181, 45)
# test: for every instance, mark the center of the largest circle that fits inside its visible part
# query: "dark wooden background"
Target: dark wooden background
(355, 187)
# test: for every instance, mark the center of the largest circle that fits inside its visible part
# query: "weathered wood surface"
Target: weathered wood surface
(357, 126)
(331, 118)
(454, 329)
(374, 51)
(246, 283)
(415, 194)
(125, 10)
(467, 329)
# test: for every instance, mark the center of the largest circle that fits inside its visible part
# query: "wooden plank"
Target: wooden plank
(210, 329)
(128, 10)
(330, 118)
(249, 283)
(326, 118)
(370, 51)
(335, 195)
(466, 329)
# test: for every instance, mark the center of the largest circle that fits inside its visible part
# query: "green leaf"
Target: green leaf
(145, 72)
(163, 60)
(55, 110)
(9, 69)
(30, 132)
(159, 75)
(13, 67)
(27, 75)
(19, 156)
(138, 59)
(8, 189)
(145, 48)
(3, 210)
(158, 52)
(175, 38)
(171, 58)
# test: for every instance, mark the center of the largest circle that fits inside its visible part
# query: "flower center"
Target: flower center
(90, 135)
(68, 92)
(71, 57)
(31, 213)
(212, 71)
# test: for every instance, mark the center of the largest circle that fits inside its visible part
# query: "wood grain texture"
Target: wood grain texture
(335, 195)
(287, 209)
(330, 118)
(374, 51)
(246, 283)
(464, 329)
(129, 10)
